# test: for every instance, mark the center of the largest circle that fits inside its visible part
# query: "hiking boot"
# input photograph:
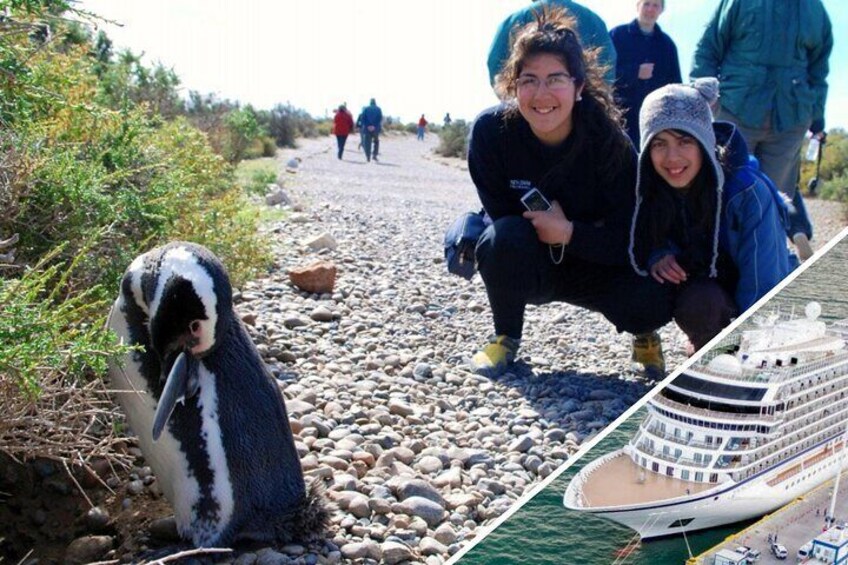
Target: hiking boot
(802, 245)
(494, 358)
(647, 351)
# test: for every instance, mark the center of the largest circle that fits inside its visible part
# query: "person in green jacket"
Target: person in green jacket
(590, 27)
(771, 58)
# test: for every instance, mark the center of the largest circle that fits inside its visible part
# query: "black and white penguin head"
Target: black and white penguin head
(186, 295)
(184, 300)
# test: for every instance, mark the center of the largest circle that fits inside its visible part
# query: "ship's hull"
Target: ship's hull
(724, 504)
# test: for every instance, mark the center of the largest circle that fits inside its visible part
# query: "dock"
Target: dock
(794, 525)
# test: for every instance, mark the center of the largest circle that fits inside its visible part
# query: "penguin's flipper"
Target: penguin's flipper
(174, 391)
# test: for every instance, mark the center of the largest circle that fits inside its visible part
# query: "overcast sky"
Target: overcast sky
(413, 57)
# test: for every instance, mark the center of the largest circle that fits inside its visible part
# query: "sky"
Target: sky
(414, 57)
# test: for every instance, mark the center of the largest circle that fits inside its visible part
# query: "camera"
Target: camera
(534, 201)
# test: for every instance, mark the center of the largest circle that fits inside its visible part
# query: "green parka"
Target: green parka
(771, 58)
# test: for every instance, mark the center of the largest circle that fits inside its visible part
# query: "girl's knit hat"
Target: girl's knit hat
(685, 108)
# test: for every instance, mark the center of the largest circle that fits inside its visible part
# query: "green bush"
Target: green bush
(324, 128)
(453, 140)
(285, 124)
(50, 333)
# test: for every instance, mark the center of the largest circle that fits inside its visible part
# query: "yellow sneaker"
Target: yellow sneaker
(647, 351)
(495, 357)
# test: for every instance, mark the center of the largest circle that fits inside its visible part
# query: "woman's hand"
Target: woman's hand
(667, 269)
(552, 226)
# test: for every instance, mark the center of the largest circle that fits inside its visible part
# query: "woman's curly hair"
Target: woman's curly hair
(597, 119)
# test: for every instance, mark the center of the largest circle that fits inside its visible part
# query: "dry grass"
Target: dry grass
(68, 423)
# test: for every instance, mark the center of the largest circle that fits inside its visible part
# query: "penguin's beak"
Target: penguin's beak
(180, 384)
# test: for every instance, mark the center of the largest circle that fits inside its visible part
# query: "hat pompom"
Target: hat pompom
(708, 88)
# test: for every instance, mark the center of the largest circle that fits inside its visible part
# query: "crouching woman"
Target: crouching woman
(707, 222)
(558, 132)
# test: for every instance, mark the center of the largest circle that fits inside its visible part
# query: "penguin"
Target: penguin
(210, 419)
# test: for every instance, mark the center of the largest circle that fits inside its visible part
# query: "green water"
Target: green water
(543, 532)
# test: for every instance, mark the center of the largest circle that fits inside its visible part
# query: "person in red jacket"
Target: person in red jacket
(342, 126)
(422, 125)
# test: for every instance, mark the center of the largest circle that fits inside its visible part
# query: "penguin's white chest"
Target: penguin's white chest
(205, 528)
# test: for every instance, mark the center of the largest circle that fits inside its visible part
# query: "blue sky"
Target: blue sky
(413, 57)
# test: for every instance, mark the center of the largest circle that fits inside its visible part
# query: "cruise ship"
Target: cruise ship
(756, 422)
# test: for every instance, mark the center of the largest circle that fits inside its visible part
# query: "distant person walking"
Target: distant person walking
(590, 28)
(342, 126)
(422, 125)
(447, 119)
(372, 125)
(771, 58)
(646, 59)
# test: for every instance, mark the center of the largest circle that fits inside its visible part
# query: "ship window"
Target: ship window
(655, 467)
(684, 474)
(713, 477)
(669, 471)
(680, 523)
(699, 477)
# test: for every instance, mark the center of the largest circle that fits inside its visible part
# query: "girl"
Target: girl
(707, 222)
(558, 132)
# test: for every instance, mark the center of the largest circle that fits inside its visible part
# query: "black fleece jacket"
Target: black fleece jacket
(506, 160)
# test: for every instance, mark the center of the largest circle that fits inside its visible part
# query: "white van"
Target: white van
(805, 550)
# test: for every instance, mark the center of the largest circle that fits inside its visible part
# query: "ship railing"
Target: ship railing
(669, 457)
(788, 448)
(657, 432)
(582, 477)
(774, 373)
(703, 412)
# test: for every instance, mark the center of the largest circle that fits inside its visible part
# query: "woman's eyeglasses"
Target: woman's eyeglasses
(556, 81)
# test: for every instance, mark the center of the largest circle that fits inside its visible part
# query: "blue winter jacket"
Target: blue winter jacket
(372, 116)
(590, 28)
(752, 229)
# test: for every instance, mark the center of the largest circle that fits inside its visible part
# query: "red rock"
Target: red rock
(319, 277)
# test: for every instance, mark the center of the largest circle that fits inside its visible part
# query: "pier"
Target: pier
(795, 524)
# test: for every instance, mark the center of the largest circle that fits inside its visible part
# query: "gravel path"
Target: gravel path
(418, 453)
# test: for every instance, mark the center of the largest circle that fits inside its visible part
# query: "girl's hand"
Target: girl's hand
(667, 269)
(552, 226)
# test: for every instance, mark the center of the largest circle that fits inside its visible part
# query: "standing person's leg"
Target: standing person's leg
(376, 145)
(343, 142)
(366, 145)
(339, 145)
(703, 308)
(779, 156)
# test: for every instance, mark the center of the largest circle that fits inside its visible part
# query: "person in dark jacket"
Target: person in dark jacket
(372, 125)
(646, 59)
(707, 223)
(342, 126)
(558, 132)
(771, 58)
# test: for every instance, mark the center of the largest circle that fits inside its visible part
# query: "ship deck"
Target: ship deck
(617, 482)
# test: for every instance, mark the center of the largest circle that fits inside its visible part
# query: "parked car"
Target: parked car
(751, 554)
(805, 550)
(779, 551)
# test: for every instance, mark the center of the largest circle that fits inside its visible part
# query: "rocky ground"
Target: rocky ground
(418, 454)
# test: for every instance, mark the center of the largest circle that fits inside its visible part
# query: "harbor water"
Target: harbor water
(544, 532)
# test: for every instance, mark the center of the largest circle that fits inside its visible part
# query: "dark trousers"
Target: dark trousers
(517, 270)
(367, 140)
(340, 141)
(702, 309)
